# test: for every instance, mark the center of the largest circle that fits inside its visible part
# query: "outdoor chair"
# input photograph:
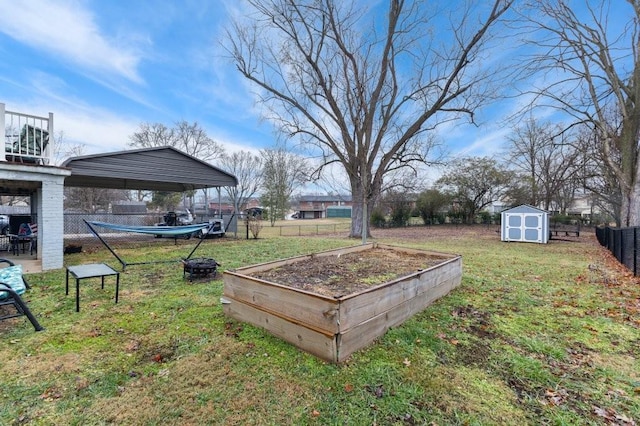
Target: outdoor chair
(29, 146)
(12, 285)
(27, 236)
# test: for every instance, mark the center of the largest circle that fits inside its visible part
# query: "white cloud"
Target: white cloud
(67, 31)
(490, 143)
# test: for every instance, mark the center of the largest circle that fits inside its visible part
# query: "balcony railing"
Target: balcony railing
(27, 138)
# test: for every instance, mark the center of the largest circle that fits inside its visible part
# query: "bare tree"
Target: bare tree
(189, 138)
(597, 178)
(63, 149)
(193, 139)
(151, 135)
(247, 168)
(365, 95)
(91, 200)
(593, 63)
(283, 172)
(549, 163)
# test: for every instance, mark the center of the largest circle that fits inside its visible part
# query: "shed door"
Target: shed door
(524, 227)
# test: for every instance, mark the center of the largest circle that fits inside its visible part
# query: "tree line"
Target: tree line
(368, 87)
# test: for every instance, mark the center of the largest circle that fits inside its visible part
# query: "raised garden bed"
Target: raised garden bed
(336, 302)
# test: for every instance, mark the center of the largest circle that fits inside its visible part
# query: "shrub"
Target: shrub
(254, 223)
(400, 215)
(378, 219)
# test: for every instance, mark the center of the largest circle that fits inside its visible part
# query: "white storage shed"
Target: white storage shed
(526, 224)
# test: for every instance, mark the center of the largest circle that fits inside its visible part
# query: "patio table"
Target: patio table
(91, 270)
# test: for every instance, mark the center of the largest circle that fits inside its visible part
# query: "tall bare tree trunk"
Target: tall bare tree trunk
(357, 219)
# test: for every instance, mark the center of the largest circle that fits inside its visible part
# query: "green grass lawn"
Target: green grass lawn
(536, 334)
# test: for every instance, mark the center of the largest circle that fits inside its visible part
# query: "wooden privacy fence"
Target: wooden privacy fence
(623, 244)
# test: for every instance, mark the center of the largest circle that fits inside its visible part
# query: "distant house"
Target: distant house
(322, 206)
(225, 205)
(583, 206)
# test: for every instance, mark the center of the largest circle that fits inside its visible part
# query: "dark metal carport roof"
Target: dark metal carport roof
(153, 169)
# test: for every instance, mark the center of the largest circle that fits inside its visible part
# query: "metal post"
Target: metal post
(48, 149)
(2, 128)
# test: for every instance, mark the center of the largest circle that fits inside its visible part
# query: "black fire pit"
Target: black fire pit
(200, 267)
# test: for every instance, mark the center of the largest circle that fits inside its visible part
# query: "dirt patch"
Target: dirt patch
(348, 273)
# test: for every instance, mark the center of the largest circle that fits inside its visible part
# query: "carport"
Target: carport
(150, 169)
(153, 169)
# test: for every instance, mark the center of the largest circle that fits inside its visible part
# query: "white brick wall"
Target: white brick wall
(51, 222)
(48, 200)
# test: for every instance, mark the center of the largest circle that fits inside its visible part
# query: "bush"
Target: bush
(378, 219)
(400, 216)
(561, 219)
(484, 217)
(254, 224)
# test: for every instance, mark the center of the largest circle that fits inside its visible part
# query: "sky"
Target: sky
(104, 67)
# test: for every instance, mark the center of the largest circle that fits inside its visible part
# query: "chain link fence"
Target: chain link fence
(78, 234)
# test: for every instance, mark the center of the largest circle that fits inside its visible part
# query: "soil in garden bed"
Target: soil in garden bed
(337, 276)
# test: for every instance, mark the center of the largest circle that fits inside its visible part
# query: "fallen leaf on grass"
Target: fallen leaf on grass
(406, 362)
(611, 416)
(96, 332)
(556, 397)
(348, 387)
(132, 346)
(51, 394)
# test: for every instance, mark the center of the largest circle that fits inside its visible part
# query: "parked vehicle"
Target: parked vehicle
(176, 218)
(215, 229)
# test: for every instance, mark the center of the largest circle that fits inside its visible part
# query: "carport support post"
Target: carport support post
(49, 207)
(2, 111)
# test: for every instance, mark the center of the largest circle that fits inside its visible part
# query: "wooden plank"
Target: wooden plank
(368, 304)
(307, 308)
(318, 344)
(409, 250)
(365, 333)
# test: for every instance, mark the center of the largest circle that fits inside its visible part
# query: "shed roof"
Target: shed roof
(153, 169)
(524, 208)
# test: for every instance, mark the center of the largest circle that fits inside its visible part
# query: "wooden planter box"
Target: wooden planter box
(334, 328)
